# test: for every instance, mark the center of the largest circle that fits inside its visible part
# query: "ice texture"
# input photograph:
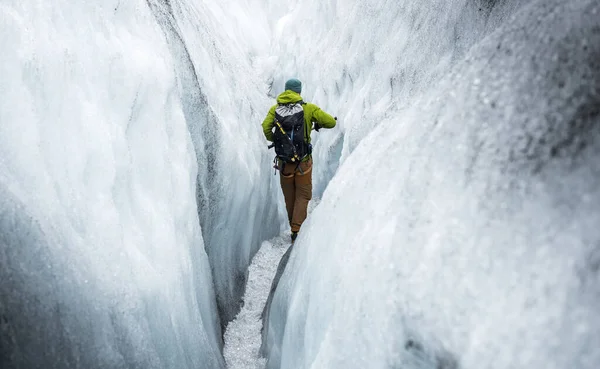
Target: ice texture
(461, 188)
(461, 229)
(245, 347)
(129, 159)
(365, 60)
(243, 335)
(224, 104)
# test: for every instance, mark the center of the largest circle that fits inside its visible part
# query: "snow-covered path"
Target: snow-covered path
(243, 334)
(242, 337)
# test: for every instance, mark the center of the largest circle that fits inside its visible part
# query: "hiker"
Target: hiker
(288, 126)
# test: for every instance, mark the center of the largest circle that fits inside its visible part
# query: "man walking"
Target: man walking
(288, 125)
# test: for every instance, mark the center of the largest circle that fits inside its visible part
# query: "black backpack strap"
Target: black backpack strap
(301, 102)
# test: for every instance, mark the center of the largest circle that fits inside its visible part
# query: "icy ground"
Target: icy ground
(242, 337)
(243, 334)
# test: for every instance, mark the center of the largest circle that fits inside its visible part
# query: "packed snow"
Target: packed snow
(243, 334)
(243, 337)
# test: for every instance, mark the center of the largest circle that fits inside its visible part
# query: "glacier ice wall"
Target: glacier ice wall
(365, 60)
(462, 231)
(236, 206)
(114, 180)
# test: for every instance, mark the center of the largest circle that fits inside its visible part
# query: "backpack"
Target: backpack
(289, 137)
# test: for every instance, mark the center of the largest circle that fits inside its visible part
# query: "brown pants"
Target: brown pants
(296, 183)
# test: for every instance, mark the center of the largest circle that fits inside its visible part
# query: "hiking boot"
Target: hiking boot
(294, 235)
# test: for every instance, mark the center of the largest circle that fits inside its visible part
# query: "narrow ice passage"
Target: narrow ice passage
(243, 334)
(458, 227)
(242, 337)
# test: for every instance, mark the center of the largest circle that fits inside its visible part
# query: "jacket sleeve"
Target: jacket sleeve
(325, 120)
(268, 123)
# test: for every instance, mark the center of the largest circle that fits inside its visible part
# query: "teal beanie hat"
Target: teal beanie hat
(294, 85)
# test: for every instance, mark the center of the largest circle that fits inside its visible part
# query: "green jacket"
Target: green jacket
(312, 113)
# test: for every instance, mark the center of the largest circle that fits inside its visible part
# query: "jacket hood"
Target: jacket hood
(288, 97)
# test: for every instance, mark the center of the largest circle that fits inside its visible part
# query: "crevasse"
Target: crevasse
(457, 227)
